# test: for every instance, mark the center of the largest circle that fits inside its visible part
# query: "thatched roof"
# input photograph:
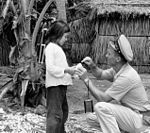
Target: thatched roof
(124, 7)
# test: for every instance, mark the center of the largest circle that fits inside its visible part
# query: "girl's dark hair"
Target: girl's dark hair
(56, 31)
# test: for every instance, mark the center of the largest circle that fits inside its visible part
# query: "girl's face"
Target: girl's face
(63, 39)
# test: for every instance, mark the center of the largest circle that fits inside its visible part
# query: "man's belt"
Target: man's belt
(146, 117)
(147, 113)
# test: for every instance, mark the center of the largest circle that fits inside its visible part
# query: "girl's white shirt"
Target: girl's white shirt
(56, 63)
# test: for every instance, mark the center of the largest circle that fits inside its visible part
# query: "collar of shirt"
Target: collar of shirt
(120, 71)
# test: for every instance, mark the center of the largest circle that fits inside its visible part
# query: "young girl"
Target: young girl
(58, 77)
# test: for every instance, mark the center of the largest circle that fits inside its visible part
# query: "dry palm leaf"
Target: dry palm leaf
(23, 91)
(5, 88)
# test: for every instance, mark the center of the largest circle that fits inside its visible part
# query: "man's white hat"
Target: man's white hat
(125, 48)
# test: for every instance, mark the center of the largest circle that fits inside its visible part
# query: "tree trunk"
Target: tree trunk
(61, 9)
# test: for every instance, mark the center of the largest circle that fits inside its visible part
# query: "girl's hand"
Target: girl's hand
(70, 70)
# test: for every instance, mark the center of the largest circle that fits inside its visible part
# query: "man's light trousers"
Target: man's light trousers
(113, 117)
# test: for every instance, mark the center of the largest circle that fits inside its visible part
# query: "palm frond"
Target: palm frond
(6, 7)
(13, 7)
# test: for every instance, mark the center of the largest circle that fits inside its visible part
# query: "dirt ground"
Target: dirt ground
(76, 95)
(78, 92)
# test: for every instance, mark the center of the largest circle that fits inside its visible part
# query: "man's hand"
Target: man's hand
(88, 62)
(82, 73)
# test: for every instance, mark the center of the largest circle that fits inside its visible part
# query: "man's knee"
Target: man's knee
(101, 107)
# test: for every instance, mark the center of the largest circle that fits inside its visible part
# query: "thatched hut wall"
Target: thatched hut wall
(83, 34)
(131, 19)
(136, 29)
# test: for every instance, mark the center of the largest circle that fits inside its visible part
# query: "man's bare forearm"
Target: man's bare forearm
(96, 71)
(99, 95)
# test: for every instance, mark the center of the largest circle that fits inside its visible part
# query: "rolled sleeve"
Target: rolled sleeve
(107, 74)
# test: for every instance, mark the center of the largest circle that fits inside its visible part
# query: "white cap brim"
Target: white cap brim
(125, 48)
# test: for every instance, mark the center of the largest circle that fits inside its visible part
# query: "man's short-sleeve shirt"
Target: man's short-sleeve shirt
(128, 89)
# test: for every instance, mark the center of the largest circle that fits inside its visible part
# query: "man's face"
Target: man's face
(111, 56)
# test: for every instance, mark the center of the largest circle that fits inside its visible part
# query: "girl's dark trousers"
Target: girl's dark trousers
(57, 109)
